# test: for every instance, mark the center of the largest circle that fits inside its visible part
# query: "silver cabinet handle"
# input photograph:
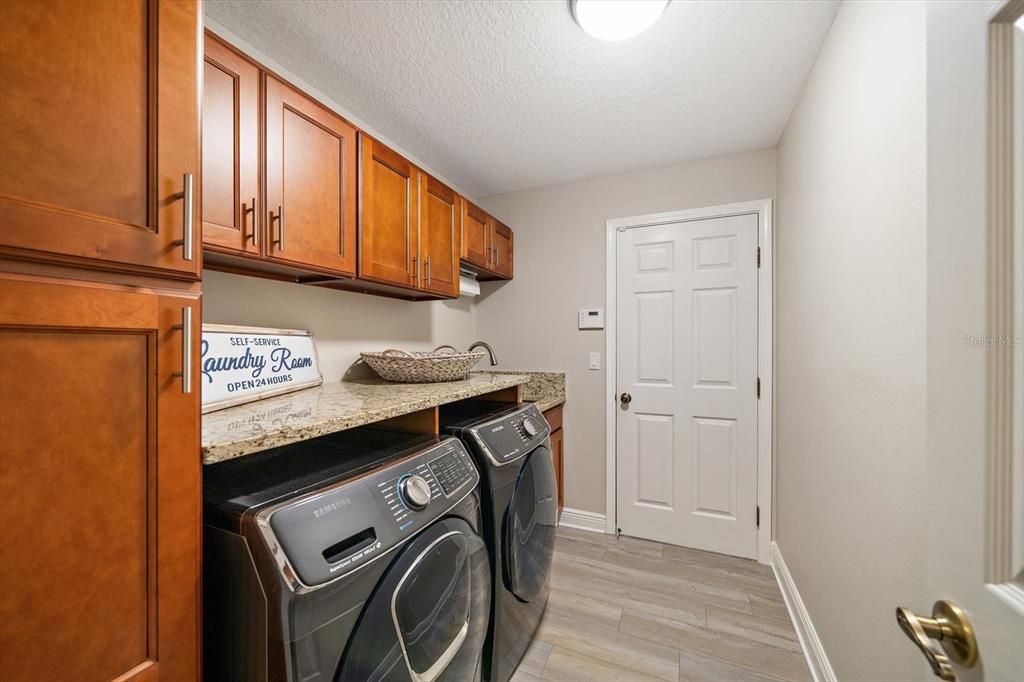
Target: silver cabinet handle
(428, 270)
(416, 269)
(187, 195)
(186, 349)
(251, 211)
(280, 229)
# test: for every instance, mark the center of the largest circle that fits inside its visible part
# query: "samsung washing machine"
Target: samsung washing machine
(511, 447)
(348, 558)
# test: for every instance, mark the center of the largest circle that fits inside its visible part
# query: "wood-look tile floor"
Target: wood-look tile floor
(625, 609)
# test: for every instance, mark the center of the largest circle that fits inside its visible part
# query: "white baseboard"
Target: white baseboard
(582, 520)
(814, 652)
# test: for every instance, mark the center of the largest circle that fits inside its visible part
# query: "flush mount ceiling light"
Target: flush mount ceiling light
(616, 19)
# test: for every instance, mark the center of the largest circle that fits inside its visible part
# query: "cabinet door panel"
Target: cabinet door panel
(100, 118)
(115, 593)
(388, 223)
(558, 457)
(311, 183)
(501, 240)
(475, 235)
(230, 150)
(439, 237)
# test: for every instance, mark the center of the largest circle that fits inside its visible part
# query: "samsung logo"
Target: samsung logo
(331, 507)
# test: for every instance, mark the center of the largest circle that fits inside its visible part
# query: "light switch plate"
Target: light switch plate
(595, 361)
(591, 318)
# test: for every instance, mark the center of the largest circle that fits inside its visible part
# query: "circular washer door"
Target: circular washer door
(427, 618)
(530, 527)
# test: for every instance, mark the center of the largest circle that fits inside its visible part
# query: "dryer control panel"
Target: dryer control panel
(512, 435)
(333, 532)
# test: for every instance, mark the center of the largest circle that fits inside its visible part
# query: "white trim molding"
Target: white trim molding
(765, 334)
(582, 520)
(814, 652)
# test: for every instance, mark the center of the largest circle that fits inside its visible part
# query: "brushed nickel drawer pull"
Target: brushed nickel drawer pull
(187, 238)
(186, 349)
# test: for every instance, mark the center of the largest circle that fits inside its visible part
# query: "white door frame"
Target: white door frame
(763, 209)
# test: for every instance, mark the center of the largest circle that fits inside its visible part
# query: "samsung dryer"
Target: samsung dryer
(512, 448)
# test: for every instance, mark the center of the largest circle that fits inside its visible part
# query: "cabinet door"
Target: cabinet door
(476, 241)
(501, 249)
(439, 237)
(99, 108)
(311, 183)
(558, 457)
(230, 150)
(100, 482)
(388, 216)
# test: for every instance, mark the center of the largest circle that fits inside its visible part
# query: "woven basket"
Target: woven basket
(444, 363)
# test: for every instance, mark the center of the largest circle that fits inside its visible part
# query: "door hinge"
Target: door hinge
(758, 515)
(759, 388)
(759, 256)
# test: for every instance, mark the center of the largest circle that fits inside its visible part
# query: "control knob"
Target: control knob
(415, 492)
(529, 428)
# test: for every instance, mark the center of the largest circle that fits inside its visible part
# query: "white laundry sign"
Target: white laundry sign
(242, 364)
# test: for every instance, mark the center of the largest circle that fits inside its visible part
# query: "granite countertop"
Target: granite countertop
(335, 406)
(547, 389)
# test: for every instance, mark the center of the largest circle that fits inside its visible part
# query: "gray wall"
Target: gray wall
(343, 323)
(850, 339)
(560, 268)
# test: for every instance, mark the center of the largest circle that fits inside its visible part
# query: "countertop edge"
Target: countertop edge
(286, 435)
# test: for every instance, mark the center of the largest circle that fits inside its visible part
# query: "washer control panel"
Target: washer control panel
(332, 532)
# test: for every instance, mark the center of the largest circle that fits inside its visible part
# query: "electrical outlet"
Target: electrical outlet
(595, 361)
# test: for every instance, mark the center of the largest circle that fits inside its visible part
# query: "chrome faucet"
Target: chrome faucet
(490, 351)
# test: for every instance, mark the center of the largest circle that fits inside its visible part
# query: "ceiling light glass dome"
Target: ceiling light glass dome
(616, 19)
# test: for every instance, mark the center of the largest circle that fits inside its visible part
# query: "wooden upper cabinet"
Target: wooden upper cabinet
(310, 210)
(99, 108)
(231, 144)
(476, 241)
(486, 244)
(501, 249)
(440, 209)
(388, 216)
(99, 573)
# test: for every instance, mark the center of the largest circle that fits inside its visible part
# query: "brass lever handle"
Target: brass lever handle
(949, 628)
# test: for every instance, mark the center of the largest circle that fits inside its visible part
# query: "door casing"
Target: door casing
(763, 208)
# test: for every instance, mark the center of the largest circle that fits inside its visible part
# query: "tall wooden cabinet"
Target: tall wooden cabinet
(100, 252)
(99, 476)
(100, 124)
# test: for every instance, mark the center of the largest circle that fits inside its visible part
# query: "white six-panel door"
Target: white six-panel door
(686, 462)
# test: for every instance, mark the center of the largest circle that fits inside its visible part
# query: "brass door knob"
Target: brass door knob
(950, 627)
(625, 399)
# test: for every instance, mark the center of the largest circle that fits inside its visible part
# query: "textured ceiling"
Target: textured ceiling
(498, 96)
